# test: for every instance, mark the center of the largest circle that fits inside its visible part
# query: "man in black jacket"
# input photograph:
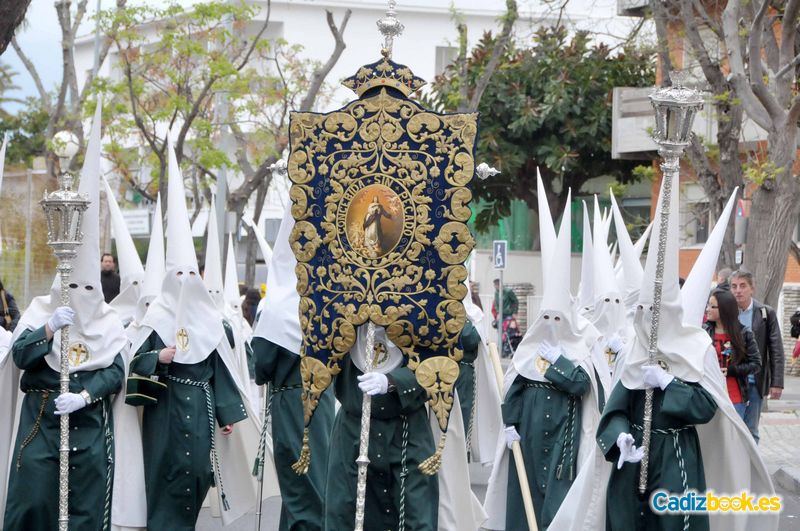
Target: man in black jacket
(763, 321)
(109, 278)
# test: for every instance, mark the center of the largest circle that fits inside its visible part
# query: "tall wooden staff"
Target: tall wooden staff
(675, 108)
(64, 210)
(516, 449)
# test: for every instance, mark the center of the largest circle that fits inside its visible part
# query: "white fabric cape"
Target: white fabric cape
(727, 440)
(459, 508)
(584, 505)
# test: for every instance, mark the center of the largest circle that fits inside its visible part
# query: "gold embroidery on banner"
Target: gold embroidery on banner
(377, 224)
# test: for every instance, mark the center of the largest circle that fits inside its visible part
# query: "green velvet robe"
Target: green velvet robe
(382, 509)
(32, 503)
(547, 424)
(679, 407)
(302, 496)
(465, 384)
(176, 436)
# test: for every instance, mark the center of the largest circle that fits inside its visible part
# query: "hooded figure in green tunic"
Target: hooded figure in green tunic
(697, 442)
(276, 343)
(97, 342)
(399, 495)
(188, 433)
(213, 279)
(551, 405)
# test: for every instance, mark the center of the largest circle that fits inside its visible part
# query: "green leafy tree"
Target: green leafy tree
(209, 74)
(546, 106)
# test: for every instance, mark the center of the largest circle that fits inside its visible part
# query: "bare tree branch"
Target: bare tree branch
(104, 49)
(257, 38)
(660, 19)
(462, 65)
(757, 68)
(752, 105)
(711, 71)
(31, 68)
(321, 73)
(500, 46)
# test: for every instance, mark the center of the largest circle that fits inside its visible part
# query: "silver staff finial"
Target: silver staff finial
(390, 28)
(278, 167)
(485, 171)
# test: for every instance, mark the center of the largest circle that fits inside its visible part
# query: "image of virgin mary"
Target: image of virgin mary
(373, 233)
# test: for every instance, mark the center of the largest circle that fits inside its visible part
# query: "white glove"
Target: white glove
(550, 352)
(616, 343)
(628, 453)
(655, 376)
(512, 436)
(69, 403)
(373, 383)
(63, 316)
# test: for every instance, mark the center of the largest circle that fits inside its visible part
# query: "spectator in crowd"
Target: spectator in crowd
(762, 320)
(794, 320)
(109, 278)
(9, 308)
(736, 347)
(723, 278)
(249, 307)
(476, 300)
(510, 302)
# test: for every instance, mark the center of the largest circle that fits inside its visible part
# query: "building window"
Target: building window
(445, 56)
(696, 223)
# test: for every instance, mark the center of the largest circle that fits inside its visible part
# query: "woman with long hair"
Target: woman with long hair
(736, 346)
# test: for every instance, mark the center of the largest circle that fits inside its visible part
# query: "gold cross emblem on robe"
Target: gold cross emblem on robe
(78, 354)
(182, 337)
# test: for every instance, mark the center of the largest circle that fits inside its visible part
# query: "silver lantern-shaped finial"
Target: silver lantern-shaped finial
(675, 109)
(64, 210)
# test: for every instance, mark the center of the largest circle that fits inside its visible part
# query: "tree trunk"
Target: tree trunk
(729, 124)
(774, 212)
(12, 13)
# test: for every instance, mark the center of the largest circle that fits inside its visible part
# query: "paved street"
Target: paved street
(780, 447)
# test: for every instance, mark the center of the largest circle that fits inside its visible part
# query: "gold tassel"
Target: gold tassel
(432, 464)
(302, 464)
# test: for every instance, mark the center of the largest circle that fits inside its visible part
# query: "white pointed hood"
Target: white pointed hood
(632, 271)
(232, 296)
(233, 301)
(638, 247)
(131, 270)
(694, 293)
(183, 314)
(609, 308)
(280, 319)
(557, 322)
(97, 335)
(681, 348)
(547, 231)
(154, 269)
(213, 271)
(586, 292)
(266, 250)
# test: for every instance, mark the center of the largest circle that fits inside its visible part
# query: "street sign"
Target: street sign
(137, 220)
(499, 253)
